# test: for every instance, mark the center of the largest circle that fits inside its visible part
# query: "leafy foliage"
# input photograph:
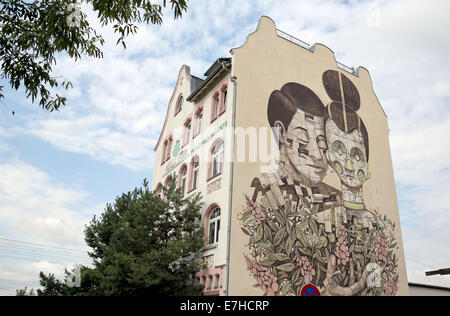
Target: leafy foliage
(33, 33)
(294, 246)
(143, 244)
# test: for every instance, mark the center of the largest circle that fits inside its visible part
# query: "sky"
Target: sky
(58, 170)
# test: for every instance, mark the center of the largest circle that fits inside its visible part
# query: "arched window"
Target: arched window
(164, 154)
(158, 189)
(187, 131)
(214, 226)
(217, 159)
(215, 106)
(199, 122)
(183, 179)
(169, 147)
(195, 172)
(166, 183)
(179, 105)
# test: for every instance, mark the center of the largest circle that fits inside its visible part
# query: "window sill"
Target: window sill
(191, 191)
(209, 247)
(213, 177)
(214, 118)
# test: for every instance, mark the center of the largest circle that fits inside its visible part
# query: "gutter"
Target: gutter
(230, 194)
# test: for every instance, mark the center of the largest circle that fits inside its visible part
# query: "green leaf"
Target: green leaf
(279, 216)
(264, 245)
(281, 257)
(279, 236)
(245, 216)
(268, 263)
(245, 231)
(301, 236)
(290, 244)
(259, 233)
(287, 267)
(272, 226)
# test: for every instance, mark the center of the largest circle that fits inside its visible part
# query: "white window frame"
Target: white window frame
(199, 123)
(217, 160)
(214, 226)
(195, 173)
(183, 180)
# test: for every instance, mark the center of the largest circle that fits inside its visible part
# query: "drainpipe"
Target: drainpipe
(230, 193)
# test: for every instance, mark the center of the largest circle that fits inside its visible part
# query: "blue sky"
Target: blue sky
(59, 169)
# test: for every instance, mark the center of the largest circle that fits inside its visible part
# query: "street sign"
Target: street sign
(310, 290)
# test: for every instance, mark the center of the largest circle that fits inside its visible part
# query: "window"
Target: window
(166, 183)
(187, 133)
(169, 148)
(210, 282)
(217, 159)
(214, 226)
(163, 154)
(179, 105)
(216, 284)
(195, 172)
(224, 99)
(158, 190)
(215, 106)
(183, 179)
(199, 123)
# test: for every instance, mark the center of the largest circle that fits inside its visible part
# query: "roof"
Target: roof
(428, 286)
(215, 69)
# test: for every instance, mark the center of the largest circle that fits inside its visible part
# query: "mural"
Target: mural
(303, 231)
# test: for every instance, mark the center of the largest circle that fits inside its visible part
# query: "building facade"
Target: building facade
(290, 151)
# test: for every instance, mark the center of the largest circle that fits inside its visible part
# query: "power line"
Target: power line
(15, 282)
(42, 245)
(4, 104)
(45, 256)
(421, 263)
(34, 259)
(40, 250)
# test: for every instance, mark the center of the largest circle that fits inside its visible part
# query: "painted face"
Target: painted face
(306, 145)
(347, 155)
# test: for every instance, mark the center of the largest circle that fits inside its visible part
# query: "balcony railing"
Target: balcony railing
(305, 45)
(293, 39)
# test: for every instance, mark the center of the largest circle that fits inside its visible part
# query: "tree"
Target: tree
(143, 244)
(33, 33)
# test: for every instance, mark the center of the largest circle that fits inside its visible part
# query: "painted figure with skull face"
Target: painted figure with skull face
(348, 144)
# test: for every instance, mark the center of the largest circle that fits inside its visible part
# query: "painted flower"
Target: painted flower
(342, 253)
(265, 279)
(381, 248)
(392, 287)
(253, 208)
(304, 264)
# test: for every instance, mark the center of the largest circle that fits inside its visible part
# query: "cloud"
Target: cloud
(35, 207)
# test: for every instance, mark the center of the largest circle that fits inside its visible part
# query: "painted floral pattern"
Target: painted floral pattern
(287, 246)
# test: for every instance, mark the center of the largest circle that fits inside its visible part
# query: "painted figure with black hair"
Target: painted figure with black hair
(296, 116)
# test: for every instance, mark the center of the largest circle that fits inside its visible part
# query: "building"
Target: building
(290, 151)
(417, 289)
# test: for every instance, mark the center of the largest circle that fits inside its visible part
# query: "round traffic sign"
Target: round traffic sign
(310, 290)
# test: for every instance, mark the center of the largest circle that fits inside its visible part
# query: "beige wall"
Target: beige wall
(264, 64)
